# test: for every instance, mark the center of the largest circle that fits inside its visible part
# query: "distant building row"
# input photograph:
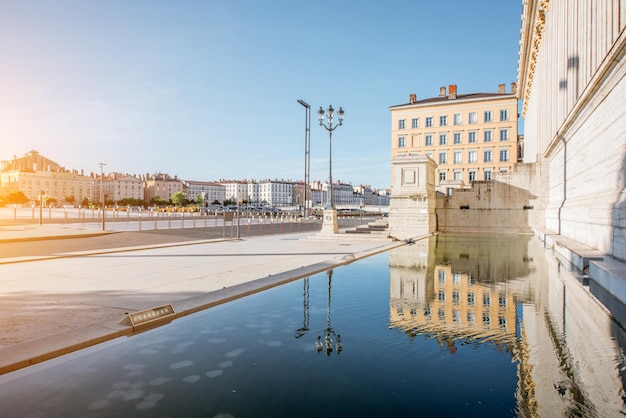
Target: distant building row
(34, 174)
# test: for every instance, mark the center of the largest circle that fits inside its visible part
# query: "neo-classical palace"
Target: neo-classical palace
(571, 80)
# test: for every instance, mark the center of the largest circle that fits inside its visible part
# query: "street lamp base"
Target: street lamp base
(329, 223)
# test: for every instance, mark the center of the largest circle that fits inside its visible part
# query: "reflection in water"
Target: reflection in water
(329, 332)
(475, 290)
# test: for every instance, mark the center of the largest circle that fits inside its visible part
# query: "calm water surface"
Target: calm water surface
(451, 326)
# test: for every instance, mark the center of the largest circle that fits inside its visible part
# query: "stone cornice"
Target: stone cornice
(452, 102)
(533, 23)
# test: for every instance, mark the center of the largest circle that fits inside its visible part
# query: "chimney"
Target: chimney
(412, 98)
(501, 88)
(514, 88)
(452, 91)
(442, 92)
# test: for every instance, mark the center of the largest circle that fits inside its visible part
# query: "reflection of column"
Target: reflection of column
(572, 352)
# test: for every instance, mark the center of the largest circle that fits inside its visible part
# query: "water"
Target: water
(451, 326)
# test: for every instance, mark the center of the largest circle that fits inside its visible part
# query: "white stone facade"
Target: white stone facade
(212, 191)
(572, 82)
(412, 203)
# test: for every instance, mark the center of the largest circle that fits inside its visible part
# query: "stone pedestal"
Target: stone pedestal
(329, 222)
(413, 202)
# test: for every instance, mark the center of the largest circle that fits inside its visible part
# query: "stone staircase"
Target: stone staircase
(376, 229)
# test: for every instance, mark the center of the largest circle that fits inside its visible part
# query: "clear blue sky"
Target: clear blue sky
(208, 89)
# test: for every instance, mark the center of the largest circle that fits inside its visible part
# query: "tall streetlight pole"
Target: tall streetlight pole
(330, 214)
(307, 155)
(102, 192)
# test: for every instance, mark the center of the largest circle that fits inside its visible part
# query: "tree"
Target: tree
(158, 201)
(16, 197)
(178, 199)
(85, 202)
(70, 199)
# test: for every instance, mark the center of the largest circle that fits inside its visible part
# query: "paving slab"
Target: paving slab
(56, 305)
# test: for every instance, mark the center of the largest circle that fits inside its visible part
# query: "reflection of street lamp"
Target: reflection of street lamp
(327, 345)
(330, 214)
(305, 308)
(307, 153)
(102, 192)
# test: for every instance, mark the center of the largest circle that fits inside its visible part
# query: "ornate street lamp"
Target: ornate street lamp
(330, 214)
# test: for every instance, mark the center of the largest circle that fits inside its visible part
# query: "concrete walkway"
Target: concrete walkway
(55, 305)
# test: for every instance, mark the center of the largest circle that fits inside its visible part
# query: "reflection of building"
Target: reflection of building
(459, 309)
(504, 290)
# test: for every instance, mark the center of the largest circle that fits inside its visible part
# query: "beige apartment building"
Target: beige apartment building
(161, 185)
(470, 136)
(35, 175)
(117, 186)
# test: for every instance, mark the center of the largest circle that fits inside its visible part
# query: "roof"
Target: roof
(459, 97)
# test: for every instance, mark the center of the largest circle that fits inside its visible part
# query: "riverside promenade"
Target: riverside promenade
(65, 288)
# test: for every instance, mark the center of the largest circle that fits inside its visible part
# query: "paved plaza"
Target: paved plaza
(57, 302)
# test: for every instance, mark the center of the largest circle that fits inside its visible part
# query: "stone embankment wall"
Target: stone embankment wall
(500, 206)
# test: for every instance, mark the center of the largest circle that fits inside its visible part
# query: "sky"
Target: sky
(208, 90)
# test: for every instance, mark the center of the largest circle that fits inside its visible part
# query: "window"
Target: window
(471, 156)
(401, 123)
(472, 175)
(472, 117)
(504, 134)
(488, 135)
(458, 119)
(488, 116)
(428, 140)
(443, 120)
(488, 156)
(457, 174)
(504, 155)
(441, 276)
(456, 297)
(401, 142)
(471, 298)
(457, 137)
(487, 175)
(472, 137)
(458, 157)
(443, 139)
(443, 157)
(429, 121)
(486, 299)
(504, 114)
(442, 176)
(415, 123)
(430, 155)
